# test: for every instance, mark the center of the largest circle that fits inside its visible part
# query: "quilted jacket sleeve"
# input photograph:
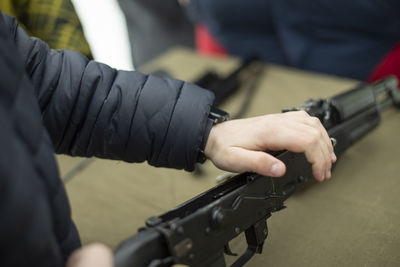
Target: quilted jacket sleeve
(90, 109)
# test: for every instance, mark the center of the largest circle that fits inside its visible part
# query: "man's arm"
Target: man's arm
(91, 109)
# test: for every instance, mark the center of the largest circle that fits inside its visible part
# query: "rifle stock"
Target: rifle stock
(197, 232)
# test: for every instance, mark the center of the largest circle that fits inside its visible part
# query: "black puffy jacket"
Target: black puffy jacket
(58, 101)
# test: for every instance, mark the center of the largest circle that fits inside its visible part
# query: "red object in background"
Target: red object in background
(389, 65)
(206, 44)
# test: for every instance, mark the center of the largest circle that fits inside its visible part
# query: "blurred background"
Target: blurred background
(326, 38)
(106, 32)
(346, 39)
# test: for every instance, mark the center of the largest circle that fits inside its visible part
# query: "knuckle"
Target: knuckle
(317, 133)
(315, 121)
(313, 137)
(304, 113)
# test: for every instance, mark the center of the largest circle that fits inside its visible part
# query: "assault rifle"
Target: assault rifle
(197, 232)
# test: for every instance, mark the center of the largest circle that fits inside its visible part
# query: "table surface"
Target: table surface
(351, 220)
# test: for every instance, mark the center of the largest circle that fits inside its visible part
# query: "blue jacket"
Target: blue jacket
(341, 37)
(58, 101)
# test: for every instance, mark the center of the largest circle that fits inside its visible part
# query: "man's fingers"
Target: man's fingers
(300, 137)
(256, 161)
(316, 123)
(317, 153)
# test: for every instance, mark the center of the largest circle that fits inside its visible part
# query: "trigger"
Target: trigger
(228, 251)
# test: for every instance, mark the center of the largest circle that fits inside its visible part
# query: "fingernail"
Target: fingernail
(333, 156)
(277, 169)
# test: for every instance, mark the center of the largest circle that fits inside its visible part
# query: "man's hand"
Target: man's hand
(239, 145)
(94, 255)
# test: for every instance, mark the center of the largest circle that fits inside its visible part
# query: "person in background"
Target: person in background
(154, 26)
(53, 21)
(356, 39)
(58, 101)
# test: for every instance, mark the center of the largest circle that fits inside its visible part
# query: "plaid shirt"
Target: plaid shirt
(53, 21)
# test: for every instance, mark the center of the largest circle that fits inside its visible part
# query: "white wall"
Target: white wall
(106, 32)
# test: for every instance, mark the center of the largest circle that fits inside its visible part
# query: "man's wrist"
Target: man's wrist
(215, 116)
